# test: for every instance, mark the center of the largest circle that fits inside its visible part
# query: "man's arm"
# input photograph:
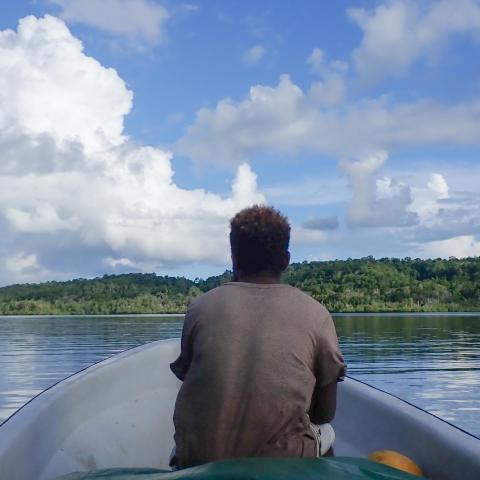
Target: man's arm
(181, 365)
(324, 403)
(329, 368)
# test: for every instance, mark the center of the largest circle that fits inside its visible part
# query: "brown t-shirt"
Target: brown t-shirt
(251, 355)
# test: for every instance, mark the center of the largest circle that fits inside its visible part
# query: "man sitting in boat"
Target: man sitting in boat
(259, 359)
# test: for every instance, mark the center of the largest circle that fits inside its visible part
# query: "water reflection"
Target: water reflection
(36, 352)
(431, 361)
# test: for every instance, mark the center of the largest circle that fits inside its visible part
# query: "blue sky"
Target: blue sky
(132, 130)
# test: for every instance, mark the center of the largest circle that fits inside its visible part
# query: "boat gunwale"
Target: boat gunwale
(415, 406)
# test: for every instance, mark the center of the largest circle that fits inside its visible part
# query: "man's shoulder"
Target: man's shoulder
(207, 297)
(309, 302)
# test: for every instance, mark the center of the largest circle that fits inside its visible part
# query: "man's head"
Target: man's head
(259, 238)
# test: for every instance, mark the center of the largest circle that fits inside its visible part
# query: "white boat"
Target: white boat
(118, 413)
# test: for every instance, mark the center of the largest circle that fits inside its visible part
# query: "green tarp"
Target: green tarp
(334, 468)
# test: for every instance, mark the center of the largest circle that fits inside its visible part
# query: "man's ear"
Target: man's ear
(286, 260)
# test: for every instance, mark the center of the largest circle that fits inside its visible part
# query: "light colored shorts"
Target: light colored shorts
(324, 437)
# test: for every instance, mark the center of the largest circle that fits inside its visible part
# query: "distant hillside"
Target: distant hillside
(363, 285)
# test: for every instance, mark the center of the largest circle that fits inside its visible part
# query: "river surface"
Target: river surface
(432, 361)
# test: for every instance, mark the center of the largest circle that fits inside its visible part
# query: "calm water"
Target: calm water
(431, 361)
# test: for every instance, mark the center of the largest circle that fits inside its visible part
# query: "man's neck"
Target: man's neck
(260, 277)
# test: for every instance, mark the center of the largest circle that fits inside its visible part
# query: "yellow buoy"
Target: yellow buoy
(396, 460)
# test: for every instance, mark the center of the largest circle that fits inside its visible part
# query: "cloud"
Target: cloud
(285, 120)
(398, 33)
(438, 185)
(376, 202)
(141, 21)
(82, 181)
(175, 118)
(314, 230)
(231, 132)
(444, 215)
(328, 92)
(321, 223)
(254, 54)
(331, 89)
(307, 236)
(44, 217)
(426, 199)
(316, 60)
(460, 247)
(325, 190)
(24, 267)
(190, 7)
(450, 222)
(38, 109)
(436, 221)
(119, 262)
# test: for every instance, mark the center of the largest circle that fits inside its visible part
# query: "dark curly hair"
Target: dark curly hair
(259, 238)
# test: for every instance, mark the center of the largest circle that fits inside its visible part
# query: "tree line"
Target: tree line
(352, 285)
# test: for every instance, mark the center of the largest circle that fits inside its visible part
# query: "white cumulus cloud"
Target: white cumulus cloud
(283, 119)
(426, 198)
(376, 202)
(77, 178)
(398, 33)
(38, 64)
(438, 185)
(331, 89)
(444, 215)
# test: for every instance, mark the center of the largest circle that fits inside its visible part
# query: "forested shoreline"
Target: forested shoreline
(353, 285)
